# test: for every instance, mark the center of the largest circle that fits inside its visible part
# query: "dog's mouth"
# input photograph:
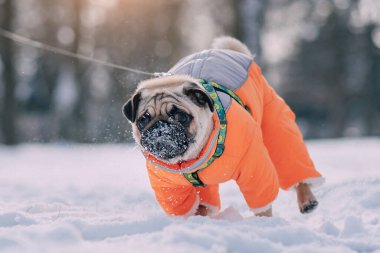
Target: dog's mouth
(165, 140)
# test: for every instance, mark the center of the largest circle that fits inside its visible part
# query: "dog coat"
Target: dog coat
(264, 148)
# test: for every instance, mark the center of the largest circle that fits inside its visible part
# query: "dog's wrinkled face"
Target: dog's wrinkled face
(171, 119)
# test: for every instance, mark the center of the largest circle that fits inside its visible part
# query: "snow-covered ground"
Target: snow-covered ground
(64, 198)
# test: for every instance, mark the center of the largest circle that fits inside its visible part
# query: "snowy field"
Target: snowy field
(64, 198)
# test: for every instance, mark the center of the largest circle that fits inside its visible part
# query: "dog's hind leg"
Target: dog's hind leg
(305, 198)
(286, 147)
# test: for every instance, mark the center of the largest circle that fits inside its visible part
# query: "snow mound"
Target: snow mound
(62, 198)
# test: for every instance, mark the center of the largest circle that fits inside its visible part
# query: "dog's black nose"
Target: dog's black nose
(165, 140)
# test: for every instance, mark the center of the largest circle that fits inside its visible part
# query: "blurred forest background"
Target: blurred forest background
(322, 56)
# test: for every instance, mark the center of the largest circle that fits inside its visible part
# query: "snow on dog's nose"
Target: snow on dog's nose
(165, 140)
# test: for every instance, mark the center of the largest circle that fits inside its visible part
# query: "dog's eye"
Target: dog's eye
(183, 118)
(143, 121)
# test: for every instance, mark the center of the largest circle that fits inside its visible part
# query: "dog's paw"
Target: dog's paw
(202, 210)
(309, 207)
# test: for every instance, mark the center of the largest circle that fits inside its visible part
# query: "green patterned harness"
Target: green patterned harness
(211, 88)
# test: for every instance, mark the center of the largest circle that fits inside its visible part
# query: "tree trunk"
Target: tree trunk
(9, 112)
(372, 84)
(251, 15)
(80, 109)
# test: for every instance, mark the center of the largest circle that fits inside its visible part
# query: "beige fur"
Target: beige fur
(166, 81)
(202, 125)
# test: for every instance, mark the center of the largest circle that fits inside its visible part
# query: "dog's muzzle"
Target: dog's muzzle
(165, 140)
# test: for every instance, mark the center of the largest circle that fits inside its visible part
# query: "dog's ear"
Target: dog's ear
(199, 97)
(130, 108)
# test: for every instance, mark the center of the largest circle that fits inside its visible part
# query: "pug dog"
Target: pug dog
(170, 119)
(176, 125)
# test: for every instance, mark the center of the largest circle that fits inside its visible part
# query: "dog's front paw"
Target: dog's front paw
(309, 207)
(202, 210)
(306, 199)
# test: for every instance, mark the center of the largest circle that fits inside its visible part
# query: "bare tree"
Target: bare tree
(9, 111)
(80, 109)
(251, 15)
(372, 112)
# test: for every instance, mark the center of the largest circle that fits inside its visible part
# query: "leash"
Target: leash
(36, 44)
(211, 88)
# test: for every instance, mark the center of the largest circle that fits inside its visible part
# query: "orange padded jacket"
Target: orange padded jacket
(263, 150)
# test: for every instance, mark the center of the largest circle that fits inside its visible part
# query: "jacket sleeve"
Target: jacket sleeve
(256, 175)
(209, 197)
(174, 199)
(284, 141)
